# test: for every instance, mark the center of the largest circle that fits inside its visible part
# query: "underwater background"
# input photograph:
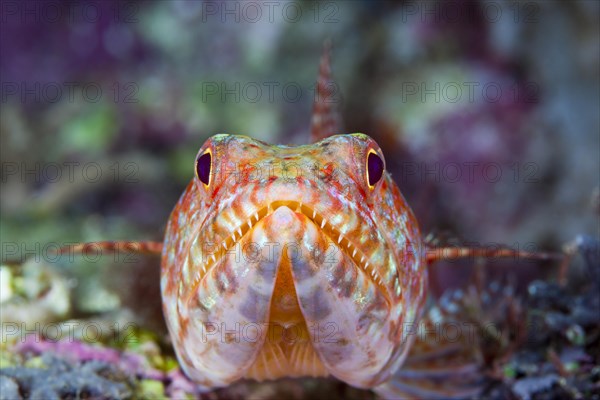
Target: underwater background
(487, 113)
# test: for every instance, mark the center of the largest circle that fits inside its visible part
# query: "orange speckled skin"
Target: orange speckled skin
(293, 236)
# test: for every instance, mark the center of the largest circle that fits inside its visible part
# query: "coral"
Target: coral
(58, 378)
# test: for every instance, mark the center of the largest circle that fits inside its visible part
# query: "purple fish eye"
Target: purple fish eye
(374, 168)
(203, 164)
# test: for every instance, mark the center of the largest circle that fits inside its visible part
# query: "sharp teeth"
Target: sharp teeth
(256, 216)
(233, 237)
(362, 259)
(340, 239)
(224, 246)
(354, 253)
(367, 265)
(213, 258)
(314, 214)
(373, 273)
(204, 268)
(239, 231)
(323, 223)
(250, 224)
(349, 245)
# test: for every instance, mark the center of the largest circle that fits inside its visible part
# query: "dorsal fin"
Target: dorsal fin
(326, 120)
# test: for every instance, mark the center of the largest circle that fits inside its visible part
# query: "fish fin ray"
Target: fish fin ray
(326, 120)
(434, 254)
(443, 363)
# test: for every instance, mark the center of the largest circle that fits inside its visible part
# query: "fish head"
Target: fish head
(286, 261)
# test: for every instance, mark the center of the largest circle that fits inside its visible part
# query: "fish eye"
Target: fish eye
(375, 168)
(203, 166)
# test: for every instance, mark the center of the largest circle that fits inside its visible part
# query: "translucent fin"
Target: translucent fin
(444, 363)
(326, 120)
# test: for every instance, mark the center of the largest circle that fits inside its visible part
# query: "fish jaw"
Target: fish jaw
(287, 273)
(221, 321)
(344, 308)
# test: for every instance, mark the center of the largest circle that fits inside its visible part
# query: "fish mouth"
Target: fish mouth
(315, 317)
(329, 230)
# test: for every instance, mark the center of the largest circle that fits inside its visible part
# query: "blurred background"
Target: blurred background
(487, 111)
